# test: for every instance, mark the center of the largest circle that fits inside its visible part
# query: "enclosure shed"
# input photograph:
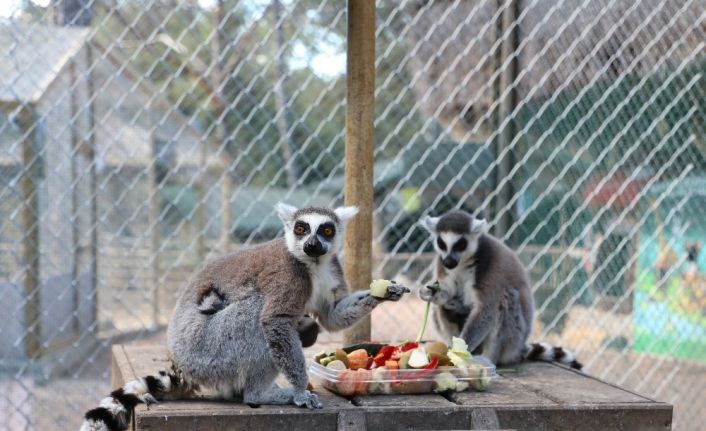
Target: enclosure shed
(70, 130)
(463, 68)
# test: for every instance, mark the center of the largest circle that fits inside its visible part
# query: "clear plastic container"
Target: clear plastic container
(349, 383)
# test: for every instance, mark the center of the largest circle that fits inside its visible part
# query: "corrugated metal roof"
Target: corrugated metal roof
(31, 56)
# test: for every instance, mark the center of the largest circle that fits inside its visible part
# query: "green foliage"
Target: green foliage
(176, 47)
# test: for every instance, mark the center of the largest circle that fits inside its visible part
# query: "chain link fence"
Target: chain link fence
(139, 138)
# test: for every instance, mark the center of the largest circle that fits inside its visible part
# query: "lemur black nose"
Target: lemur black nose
(450, 262)
(313, 247)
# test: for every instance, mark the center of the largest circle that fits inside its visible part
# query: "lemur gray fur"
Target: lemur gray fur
(235, 325)
(485, 295)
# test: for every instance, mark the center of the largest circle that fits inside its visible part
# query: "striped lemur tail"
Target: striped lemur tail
(548, 353)
(115, 411)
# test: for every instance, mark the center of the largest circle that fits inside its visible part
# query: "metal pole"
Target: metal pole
(360, 83)
(506, 90)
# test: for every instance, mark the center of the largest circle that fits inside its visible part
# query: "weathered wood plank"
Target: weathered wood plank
(286, 418)
(146, 360)
(120, 368)
(566, 386)
(351, 421)
(501, 392)
(539, 396)
(620, 417)
(402, 401)
(418, 418)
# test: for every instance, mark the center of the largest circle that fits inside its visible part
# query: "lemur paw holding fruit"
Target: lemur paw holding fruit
(436, 296)
(387, 290)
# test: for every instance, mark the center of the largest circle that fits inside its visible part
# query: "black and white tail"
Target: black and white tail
(545, 352)
(114, 412)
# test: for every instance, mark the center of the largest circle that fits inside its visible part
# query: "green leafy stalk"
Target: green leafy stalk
(434, 288)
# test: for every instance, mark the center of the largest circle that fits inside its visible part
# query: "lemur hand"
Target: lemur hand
(394, 292)
(307, 399)
(433, 293)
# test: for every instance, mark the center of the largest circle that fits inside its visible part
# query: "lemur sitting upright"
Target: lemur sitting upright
(485, 295)
(234, 327)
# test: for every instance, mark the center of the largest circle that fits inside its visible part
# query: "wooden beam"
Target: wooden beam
(155, 234)
(508, 103)
(29, 216)
(360, 95)
(93, 174)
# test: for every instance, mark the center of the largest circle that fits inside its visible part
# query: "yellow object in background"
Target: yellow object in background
(411, 202)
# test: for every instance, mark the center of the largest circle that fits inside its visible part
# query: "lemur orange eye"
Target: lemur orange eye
(300, 229)
(328, 231)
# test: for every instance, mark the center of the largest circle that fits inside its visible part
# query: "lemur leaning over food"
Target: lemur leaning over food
(485, 295)
(235, 325)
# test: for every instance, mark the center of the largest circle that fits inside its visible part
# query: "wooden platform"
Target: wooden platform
(540, 396)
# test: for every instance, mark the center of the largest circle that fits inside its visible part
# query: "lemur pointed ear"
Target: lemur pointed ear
(345, 213)
(479, 225)
(430, 223)
(285, 212)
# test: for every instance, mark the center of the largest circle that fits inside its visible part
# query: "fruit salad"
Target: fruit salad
(405, 368)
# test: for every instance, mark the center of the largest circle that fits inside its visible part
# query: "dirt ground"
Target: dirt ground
(34, 404)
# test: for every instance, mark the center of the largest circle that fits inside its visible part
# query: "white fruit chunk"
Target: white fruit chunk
(378, 288)
(419, 358)
(336, 365)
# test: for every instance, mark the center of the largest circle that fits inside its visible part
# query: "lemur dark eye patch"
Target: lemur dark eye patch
(327, 230)
(440, 242)
(301, 228)
(461, 244)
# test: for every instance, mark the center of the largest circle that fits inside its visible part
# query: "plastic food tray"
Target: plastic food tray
(349, 383)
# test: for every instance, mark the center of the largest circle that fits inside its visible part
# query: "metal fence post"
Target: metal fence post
(359, 150)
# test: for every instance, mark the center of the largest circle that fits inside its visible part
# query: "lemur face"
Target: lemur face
(455, 236)
(313, 233)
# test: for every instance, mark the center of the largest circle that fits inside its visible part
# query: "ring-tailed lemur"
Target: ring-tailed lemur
(235, 324)
(485, 295)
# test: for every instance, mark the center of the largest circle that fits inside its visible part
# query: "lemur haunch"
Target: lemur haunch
(235, 325)
(485, 295)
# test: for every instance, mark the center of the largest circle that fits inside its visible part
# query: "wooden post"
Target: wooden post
(360, 92)
(29, 217)
(226, 216)
(289, 156)
(93, 327)
(200, 214)
(76, 145)
(216, 81)
(506, 90)
(155, 234)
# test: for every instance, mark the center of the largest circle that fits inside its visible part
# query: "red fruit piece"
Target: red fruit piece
(409, 346)
(384, 354)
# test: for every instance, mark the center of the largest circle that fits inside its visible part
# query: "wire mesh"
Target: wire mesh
(140, 138)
